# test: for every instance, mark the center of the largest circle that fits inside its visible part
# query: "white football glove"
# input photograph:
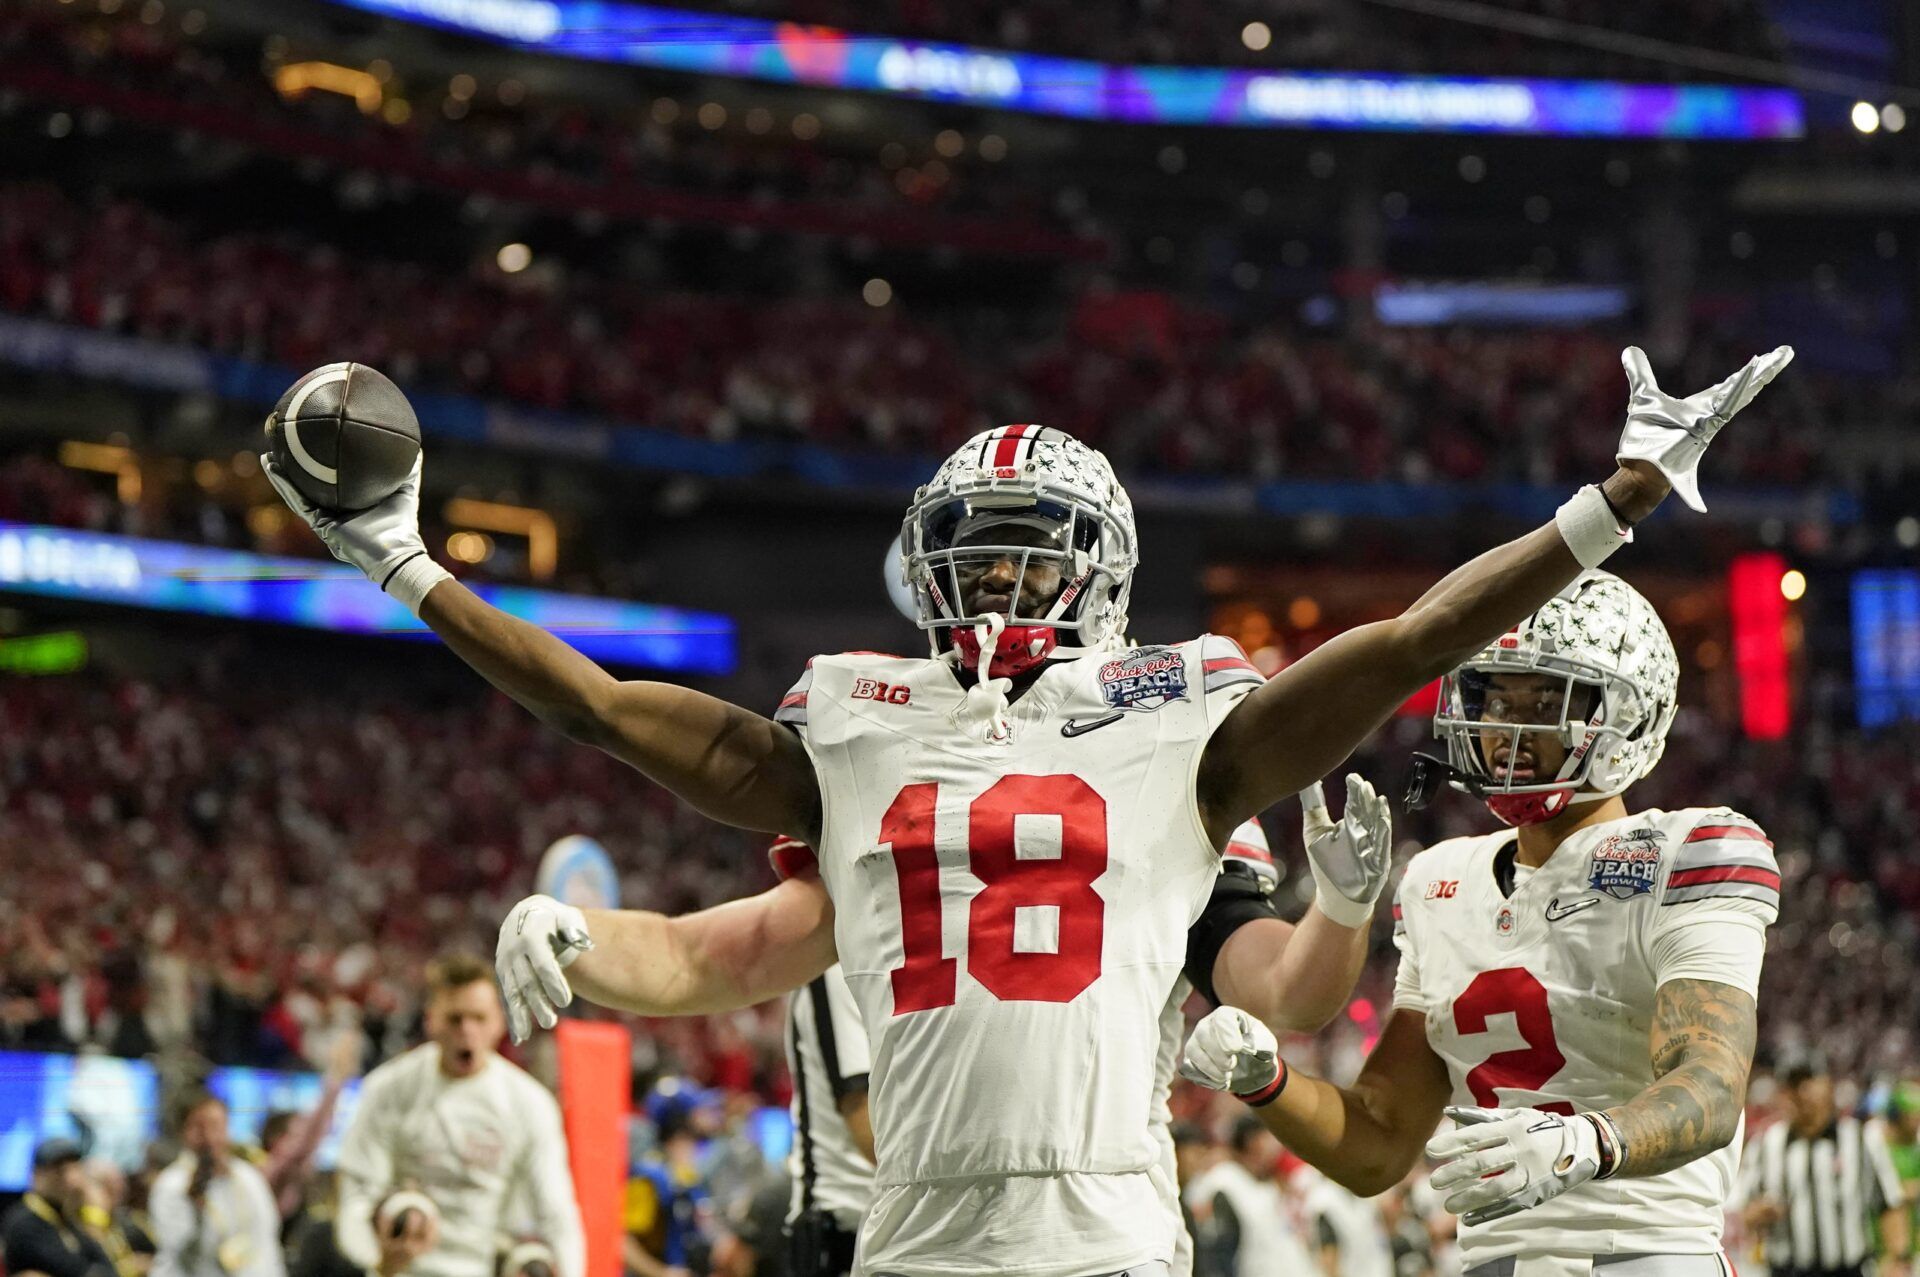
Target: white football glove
(1498, 1162)
(1671, 434)
(1232, 1051)
(1350, 860)
(539, 939)
(383, 541)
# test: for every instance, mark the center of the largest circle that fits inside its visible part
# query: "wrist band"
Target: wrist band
(412, 579)
(1588, 526)
(1268, 1093)
(1608, 1140)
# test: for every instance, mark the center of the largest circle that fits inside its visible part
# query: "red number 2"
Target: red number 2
(1511, 990)
(927, 977)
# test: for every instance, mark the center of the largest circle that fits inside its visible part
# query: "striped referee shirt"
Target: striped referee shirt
(828, 1054)
(1830, 1186)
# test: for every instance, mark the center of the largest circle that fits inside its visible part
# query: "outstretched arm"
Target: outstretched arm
(1365, 1137)
(731, 764)
(733, 955)
(1702, 1040)
(1301, 724)
(735, 766)
(721, 959)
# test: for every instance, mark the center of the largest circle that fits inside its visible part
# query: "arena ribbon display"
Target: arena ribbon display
(323, 595)
(717, 44)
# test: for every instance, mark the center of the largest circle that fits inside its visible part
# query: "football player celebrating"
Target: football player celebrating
(1580, 986)
(1014, 834)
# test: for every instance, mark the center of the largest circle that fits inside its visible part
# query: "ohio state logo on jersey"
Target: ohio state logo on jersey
(1145, 680)
(1626, 865)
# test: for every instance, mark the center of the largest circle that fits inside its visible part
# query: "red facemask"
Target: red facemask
(1021, 648)
(1529, 809)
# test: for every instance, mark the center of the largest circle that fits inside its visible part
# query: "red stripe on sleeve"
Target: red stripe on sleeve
(1725, 873)
(1707, 833)
(1398, 913)
(1247, 851)
(1219, 663)
(1009, 445)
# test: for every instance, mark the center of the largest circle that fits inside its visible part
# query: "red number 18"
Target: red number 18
(928, 978)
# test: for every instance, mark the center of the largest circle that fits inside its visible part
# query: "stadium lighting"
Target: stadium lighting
(877, 292)
(1907, 532)
(1865, 117)
(537, 526)
(297, 78)
(1793, 585)
(1893, 117)
(514, 258)
(1256, 36)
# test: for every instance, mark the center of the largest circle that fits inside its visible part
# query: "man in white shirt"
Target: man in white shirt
(1242, 1211)
(213, 1214)
(471, 1131)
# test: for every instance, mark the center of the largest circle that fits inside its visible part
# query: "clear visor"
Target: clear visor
(1521, 731)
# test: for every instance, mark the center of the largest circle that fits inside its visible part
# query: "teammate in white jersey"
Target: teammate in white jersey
(1580, 987)
(478, 1136)
(1015, 833)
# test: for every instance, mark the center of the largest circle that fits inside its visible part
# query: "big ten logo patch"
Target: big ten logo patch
(1626, 865)
(872, 689)
(1145, 680)
(1443, 888)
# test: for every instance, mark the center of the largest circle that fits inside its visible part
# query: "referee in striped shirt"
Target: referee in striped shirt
(1817, 1183)
(832, 1158)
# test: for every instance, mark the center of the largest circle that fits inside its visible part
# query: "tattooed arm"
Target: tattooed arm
(1702, 1043)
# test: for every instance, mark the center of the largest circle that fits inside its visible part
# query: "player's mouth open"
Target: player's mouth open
(1506, 769)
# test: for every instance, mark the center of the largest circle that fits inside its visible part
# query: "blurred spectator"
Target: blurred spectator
(47, 1231)
(290, 1140)
(109, 1209)
(1903, 1146)
(1350, 1236)
(213, 1214)
(670, 1215)
(472, 1131)
(1241, 1212)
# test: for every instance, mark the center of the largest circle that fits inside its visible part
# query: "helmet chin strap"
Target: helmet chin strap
(986, 706)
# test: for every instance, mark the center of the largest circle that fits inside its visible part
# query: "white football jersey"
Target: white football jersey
(1012, 919)
(1545, 999)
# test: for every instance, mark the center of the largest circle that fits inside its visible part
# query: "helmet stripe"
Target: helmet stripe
(1009, 447)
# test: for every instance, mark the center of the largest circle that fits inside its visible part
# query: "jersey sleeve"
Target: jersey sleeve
(792, 858)
(1720, 896)
(1407, 993)
(1226, 675)
(793, 706)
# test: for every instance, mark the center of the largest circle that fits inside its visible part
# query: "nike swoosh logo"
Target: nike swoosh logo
(1074, 727)
(1555, 912)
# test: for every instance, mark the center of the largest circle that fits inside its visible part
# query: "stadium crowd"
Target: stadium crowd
(1159, 384)
(614, 160)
